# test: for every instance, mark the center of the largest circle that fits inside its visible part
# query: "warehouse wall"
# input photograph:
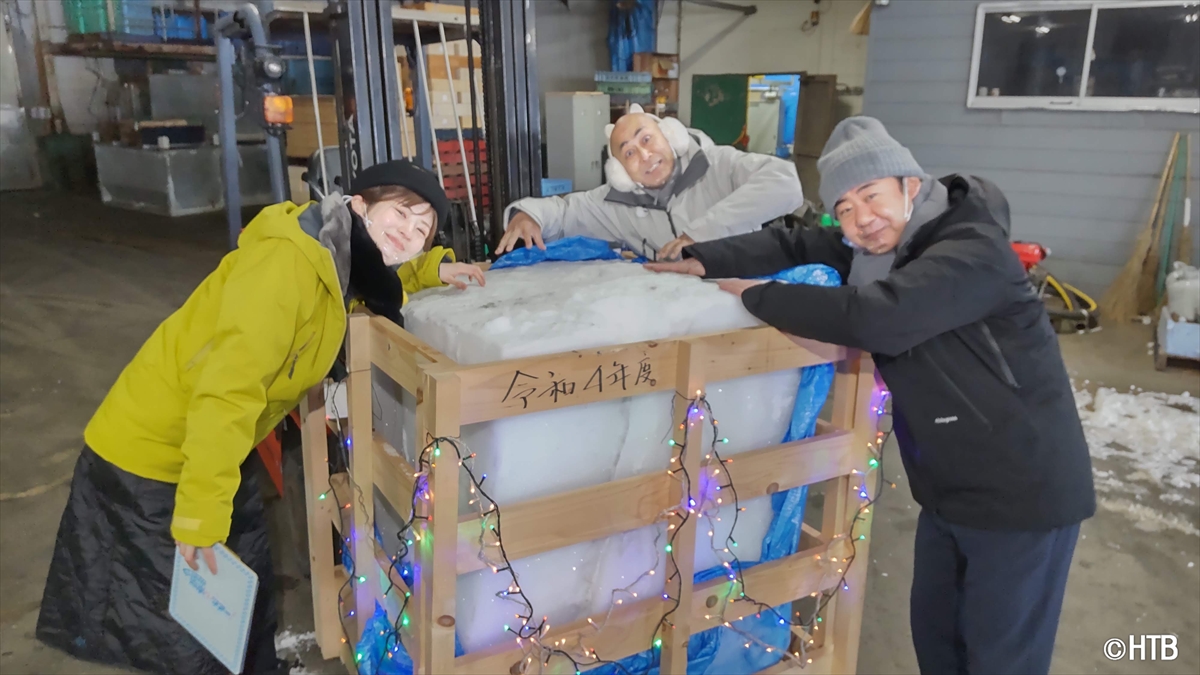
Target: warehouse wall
(774, 39)
(1081, 183)
(572, 44)
(83, 85)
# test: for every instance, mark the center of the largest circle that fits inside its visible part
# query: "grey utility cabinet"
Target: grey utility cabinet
(575, 137)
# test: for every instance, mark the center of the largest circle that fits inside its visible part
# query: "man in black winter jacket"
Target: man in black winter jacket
(984, 412)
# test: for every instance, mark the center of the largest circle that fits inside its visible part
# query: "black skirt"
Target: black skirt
(109, 584)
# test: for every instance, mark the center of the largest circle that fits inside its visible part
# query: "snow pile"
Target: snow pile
(558, 307)
(1144, 444)
(294, 643)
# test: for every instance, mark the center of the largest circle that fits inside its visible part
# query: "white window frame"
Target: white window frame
(1082, 101)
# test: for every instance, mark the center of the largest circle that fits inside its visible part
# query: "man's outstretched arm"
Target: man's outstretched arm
(576, 214)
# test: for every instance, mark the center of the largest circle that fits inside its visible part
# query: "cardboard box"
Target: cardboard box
(666, 91)
(302, 137)
(664, 66)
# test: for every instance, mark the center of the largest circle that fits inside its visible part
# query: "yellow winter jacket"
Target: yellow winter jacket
(221, 372)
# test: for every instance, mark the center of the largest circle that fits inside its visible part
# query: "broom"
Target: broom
(1183, 251)
(1154, 274)
(1120, 302)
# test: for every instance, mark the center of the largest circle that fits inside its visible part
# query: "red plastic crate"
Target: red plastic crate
(468, 143)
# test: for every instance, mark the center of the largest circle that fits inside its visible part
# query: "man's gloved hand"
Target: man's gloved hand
(521, 227)
(674, 248)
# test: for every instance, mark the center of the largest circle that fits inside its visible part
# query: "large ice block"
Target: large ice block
(557, 307)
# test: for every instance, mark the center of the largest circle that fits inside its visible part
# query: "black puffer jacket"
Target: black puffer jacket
(985, 415)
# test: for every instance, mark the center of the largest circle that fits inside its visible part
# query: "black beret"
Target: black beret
(405, 174)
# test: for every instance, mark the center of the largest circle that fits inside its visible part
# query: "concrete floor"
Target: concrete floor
(81, 286)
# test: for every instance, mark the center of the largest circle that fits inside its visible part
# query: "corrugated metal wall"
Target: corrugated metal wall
(1081, 183)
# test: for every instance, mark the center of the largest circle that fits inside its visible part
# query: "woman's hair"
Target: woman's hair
(405, 197)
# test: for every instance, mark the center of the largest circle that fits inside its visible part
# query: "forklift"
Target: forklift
(373, 105)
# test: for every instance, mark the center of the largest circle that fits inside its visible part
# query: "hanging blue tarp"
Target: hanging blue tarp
(630, 31)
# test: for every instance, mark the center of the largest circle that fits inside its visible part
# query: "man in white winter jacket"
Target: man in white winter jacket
(668, 187)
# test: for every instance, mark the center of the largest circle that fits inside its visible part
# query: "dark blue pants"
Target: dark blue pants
(987, 602)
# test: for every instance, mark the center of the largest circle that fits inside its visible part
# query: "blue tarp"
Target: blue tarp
(630, 30)
(720, 650)
(571, 249)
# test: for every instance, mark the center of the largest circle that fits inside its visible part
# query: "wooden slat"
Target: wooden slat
(503, 389)
(845, 393)
(518, 386)
(783, 467)
(607, 509)
(626, 632)
(761, 350)
(384, 561)
(395, 359)
(399, 590)
(817, 662)
(628, 629)
(393, 477)
(442, 392)
(771, 583)
(320, 556)
(358, 398)
(336, 512)
(846, 629)
(549, 523)
(681, 563)
(402, 337)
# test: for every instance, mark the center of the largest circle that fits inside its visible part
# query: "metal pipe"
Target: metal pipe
(248, 17)
(312, 79)
(462, 147)
(480, 246)
(275, 166)
(420, 54)
(228, 135)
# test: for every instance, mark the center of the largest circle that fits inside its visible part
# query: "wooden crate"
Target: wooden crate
(450, 395)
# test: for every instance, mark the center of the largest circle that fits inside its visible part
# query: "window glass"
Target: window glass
(1147, 52)
(1033, 53)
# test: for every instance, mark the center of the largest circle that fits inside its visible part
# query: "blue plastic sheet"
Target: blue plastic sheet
(720, 650)
(571, 249)
(631, 29)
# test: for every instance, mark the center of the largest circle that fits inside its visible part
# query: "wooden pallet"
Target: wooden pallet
(450, 395)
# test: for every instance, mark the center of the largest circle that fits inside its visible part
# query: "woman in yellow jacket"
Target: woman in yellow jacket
(164, 465)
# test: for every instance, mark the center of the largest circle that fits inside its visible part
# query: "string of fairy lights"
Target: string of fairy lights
(530, 632)
(701, 408)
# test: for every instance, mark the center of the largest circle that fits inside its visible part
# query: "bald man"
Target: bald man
(668, 187)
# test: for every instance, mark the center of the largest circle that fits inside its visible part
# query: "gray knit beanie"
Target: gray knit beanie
(859, 151)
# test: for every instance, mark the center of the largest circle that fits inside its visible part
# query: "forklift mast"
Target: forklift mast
(370, 99)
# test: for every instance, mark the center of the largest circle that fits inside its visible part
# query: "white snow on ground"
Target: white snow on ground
(294, 643)
(1144, 445)
(290, 646)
